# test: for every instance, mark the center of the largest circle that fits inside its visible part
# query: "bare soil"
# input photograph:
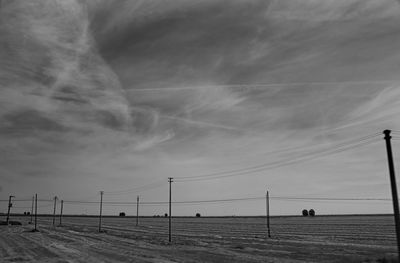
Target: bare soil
(237, 239)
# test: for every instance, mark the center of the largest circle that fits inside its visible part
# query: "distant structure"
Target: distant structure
(305, 212)
(198, 215)
(311, 212)
(122, 214)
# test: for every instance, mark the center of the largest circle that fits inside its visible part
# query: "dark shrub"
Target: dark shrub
(198, 215)
(305, 212)
(311, 212)
(122, 214)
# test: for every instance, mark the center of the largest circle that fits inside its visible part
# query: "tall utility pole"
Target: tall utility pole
(61, 212)
(137, 211)
(393, 186)
(54, 211)
(35, 212)
(9, 207)
(33, 201)
(169, 214)
(101, 208)
(268, 228)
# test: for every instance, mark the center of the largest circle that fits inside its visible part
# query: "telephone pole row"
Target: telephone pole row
(35, 213)
(61, 212)
(101, 208)
(267, 208)
(33, 201)
(9, 207)
(393, 186)
(137, 211)
(54, 210)
(170, 210)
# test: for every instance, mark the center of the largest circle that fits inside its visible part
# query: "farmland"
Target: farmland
(220, 239)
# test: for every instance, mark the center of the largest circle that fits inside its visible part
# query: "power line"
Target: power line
(330, 198)
(301, 156)
(230, 200)
(262, 85)
(136, 189)
(26, 200)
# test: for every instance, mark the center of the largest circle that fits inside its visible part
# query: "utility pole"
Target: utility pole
(54, 211)
(9, 207)
(137, 211)
(35, 213)
(101, 208)
(33, 201)
(169, 214)
(61, 212)
(268, 228)
(393, 186)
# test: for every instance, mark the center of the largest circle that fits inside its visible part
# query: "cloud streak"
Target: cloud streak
(132, 91)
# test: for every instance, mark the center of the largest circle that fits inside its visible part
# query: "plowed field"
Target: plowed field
(234, 239)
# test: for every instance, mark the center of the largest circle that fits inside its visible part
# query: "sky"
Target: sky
(230, 98)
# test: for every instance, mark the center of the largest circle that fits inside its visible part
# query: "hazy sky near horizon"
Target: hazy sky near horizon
(113, 95)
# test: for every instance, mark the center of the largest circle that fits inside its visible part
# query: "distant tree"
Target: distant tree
(305, 212)
(198, 215)
(28, 213)
(165, 215)
(24, 213)
(122, 214)
(311, 212)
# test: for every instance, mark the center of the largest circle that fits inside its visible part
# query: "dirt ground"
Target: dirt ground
(294, 239)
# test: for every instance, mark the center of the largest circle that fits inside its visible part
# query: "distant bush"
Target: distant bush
(165, 215)
(122, 214)
(198, 215)
(311, 212)
(305, 212)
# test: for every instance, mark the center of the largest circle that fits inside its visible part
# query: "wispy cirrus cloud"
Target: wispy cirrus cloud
(129, 91)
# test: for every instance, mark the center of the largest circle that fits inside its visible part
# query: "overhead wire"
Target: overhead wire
(259, 85)
(125, 203)
(310, 154)
(137, 189)
(301, 156)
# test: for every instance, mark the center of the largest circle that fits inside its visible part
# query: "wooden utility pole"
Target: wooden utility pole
(137, 211)
(61, 212)
(35, 212)
(170, 210)
(267, 208)
(33, 201)
(54, 210)
(9, 207)
(101, 208)
(393, 186)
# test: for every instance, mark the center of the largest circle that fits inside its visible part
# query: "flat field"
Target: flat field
(365, 238)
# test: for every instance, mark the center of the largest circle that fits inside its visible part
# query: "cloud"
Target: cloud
(126, 92)
(51, 56)
(58, 96)
(381, 109)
